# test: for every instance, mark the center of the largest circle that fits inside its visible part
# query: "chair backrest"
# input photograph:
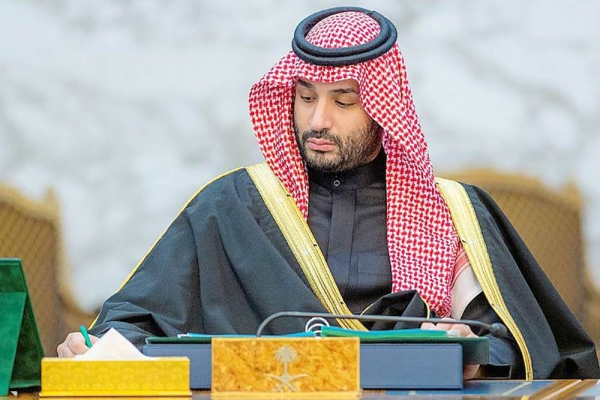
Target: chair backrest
(548, 220)
(30, 230)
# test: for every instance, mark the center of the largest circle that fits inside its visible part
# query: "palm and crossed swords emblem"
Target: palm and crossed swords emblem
(286, 355)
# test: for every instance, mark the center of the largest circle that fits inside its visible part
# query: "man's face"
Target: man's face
(333, 131)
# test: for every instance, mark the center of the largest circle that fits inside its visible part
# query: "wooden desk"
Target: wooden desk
(531, 390)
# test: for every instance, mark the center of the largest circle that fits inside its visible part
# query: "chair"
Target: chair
(30, 230)
(549, 221)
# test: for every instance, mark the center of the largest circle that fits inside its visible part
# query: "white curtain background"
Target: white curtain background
(126, 108)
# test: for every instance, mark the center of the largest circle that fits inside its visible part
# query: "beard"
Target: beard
(358, 148)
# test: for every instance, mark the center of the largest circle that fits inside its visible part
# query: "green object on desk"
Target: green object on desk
(385, 336)
(86, 336)
(21, 349)
(476, 350)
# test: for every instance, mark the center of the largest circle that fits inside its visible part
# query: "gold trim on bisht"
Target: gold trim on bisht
(469, 231)
(297, 234)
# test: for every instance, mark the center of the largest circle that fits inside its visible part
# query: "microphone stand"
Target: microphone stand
(497, 329)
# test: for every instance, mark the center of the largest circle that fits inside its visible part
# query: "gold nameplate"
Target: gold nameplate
(163, 376)
(296, 367)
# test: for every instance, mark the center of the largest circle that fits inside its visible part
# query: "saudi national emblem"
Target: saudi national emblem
(286, 355)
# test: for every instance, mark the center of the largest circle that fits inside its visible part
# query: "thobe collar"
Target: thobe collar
(357, 178)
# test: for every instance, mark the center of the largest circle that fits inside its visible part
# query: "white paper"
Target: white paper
(113, 346)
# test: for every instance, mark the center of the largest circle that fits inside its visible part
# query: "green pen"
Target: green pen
(84, 332)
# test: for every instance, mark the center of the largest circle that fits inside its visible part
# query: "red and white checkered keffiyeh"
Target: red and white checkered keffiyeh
(422, 241)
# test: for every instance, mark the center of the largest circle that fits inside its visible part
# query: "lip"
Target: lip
(320, 145)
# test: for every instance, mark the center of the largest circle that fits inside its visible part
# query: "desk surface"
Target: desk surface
(531, 390)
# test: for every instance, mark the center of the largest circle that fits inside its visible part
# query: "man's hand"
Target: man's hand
(469, 371)
(74, 344)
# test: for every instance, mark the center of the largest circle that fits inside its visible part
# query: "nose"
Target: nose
(321, 117)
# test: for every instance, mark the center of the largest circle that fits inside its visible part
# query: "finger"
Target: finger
(427, 325)
(463, 330)
(76, 343)
(445, 326)
(64, 351)
(78, 347)
(442, 326)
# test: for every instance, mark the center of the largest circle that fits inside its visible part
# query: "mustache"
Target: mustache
(322, 134)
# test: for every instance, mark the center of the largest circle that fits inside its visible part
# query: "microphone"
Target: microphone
(496, 329)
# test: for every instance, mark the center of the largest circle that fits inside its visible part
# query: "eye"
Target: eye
(344, 105)
(306, 99)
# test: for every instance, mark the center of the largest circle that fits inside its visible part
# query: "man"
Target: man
(346, 217)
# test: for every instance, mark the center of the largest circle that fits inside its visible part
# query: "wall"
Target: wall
(126, 108)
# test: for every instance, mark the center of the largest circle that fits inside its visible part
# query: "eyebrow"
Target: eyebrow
(309, 85)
